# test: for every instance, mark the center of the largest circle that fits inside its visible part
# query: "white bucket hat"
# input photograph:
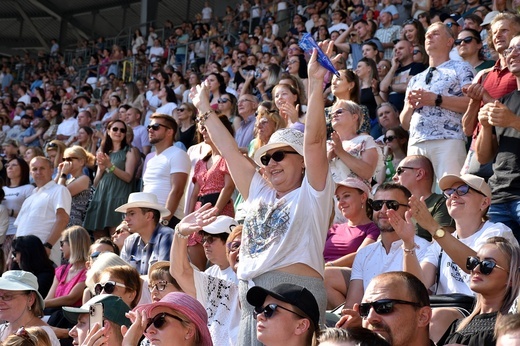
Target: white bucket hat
(282, 138)
(20, 280)
(143, 200)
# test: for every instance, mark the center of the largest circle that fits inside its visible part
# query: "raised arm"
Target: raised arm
(315, 135)
(240, 167)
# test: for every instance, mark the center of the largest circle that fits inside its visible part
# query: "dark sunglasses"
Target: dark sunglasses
(460, 191)
(429, 75)
(180, 110)
(222, 100)
(159, 320)
(401, 169)
(156, 127)
(95, 255)
(277, 156)
(377, 205)
(466, 40)
(416, 51)
(382, 307)
(450, 24)
(69, 159)
(208, 239)
(234, 245)
(109, 287)
(269, 310)
(117, 129)
(338, 111)
(389, 139)
(486, 266)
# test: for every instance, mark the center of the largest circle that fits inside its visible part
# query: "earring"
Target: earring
(30, 308)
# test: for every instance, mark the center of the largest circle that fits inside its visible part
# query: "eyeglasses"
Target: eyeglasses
(208, 239)
(63, 242)
(180, 110)
(156, 127)
(466, 40)
(159, 320)
(292, 62)
(510, 50)
(119, 231)
(9, 297)
(269, 310)
(117, 129)
(460, 191)
(69, 159)
(234, 245)
(450, 24)
(401, 169)
(108, 287)
(277, 156)
(416, 51)
(486, 266)
(377, 205)
(222, 100)
(159, 286)
(389, 139)
(338, 111)
(382, 306)
(429, 75)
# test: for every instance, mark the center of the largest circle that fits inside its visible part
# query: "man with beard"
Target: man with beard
(395, 305)
(167, 169)
(386, 254)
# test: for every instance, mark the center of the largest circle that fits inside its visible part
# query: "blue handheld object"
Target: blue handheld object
(307, 43)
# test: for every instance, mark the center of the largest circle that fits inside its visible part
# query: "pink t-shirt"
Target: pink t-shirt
(343, 239)
(64, 288)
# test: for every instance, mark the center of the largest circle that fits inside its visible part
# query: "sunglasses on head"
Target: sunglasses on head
(109, 287)
(119, 129)
(269, 310)
(69, 159)
(377, 205)
(277, 156)
(401, 169)
(159, 320)
(382, 306)
(466, 40)
(460, 191)
(156, 127)
(222, 100)
(486, 266)
(389, 139)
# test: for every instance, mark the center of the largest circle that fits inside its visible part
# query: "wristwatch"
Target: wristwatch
(48, 245)
(439, 233)
(165, 222)
(438, 100)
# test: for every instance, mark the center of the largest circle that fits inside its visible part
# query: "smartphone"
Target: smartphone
(96, 315)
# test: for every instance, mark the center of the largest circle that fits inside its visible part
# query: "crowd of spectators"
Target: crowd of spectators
(237, 160)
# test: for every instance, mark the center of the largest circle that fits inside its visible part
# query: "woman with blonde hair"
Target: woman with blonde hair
(267, 123)
(32, 336)
(71, 173)
(185, 117)
(87, 139)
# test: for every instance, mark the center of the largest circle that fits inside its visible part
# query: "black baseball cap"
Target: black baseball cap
(295, 295)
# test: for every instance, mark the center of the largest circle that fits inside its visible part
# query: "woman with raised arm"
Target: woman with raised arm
(275, 246)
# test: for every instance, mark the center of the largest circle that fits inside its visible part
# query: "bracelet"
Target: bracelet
(179, 234)
(204, 116)
(410, 251)
(111, 169)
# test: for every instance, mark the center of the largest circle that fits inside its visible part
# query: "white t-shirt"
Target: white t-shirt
(68, 127)
(14, 198)
(373, 260)
(156, 177)
(281, 232)
(206, 13)
(220, 298)
(355, 147)
(167, 109)
(227, 274)
(154, 101)
(453, 279)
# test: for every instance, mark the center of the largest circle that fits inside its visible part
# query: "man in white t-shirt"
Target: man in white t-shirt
(152, 101)
(69, 125)
(386, 254)
(166, 172)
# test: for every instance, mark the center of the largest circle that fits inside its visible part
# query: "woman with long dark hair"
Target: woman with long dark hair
(113, 182)
(17, 189)
(168, 101)
(369, 79)
(217, 87)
